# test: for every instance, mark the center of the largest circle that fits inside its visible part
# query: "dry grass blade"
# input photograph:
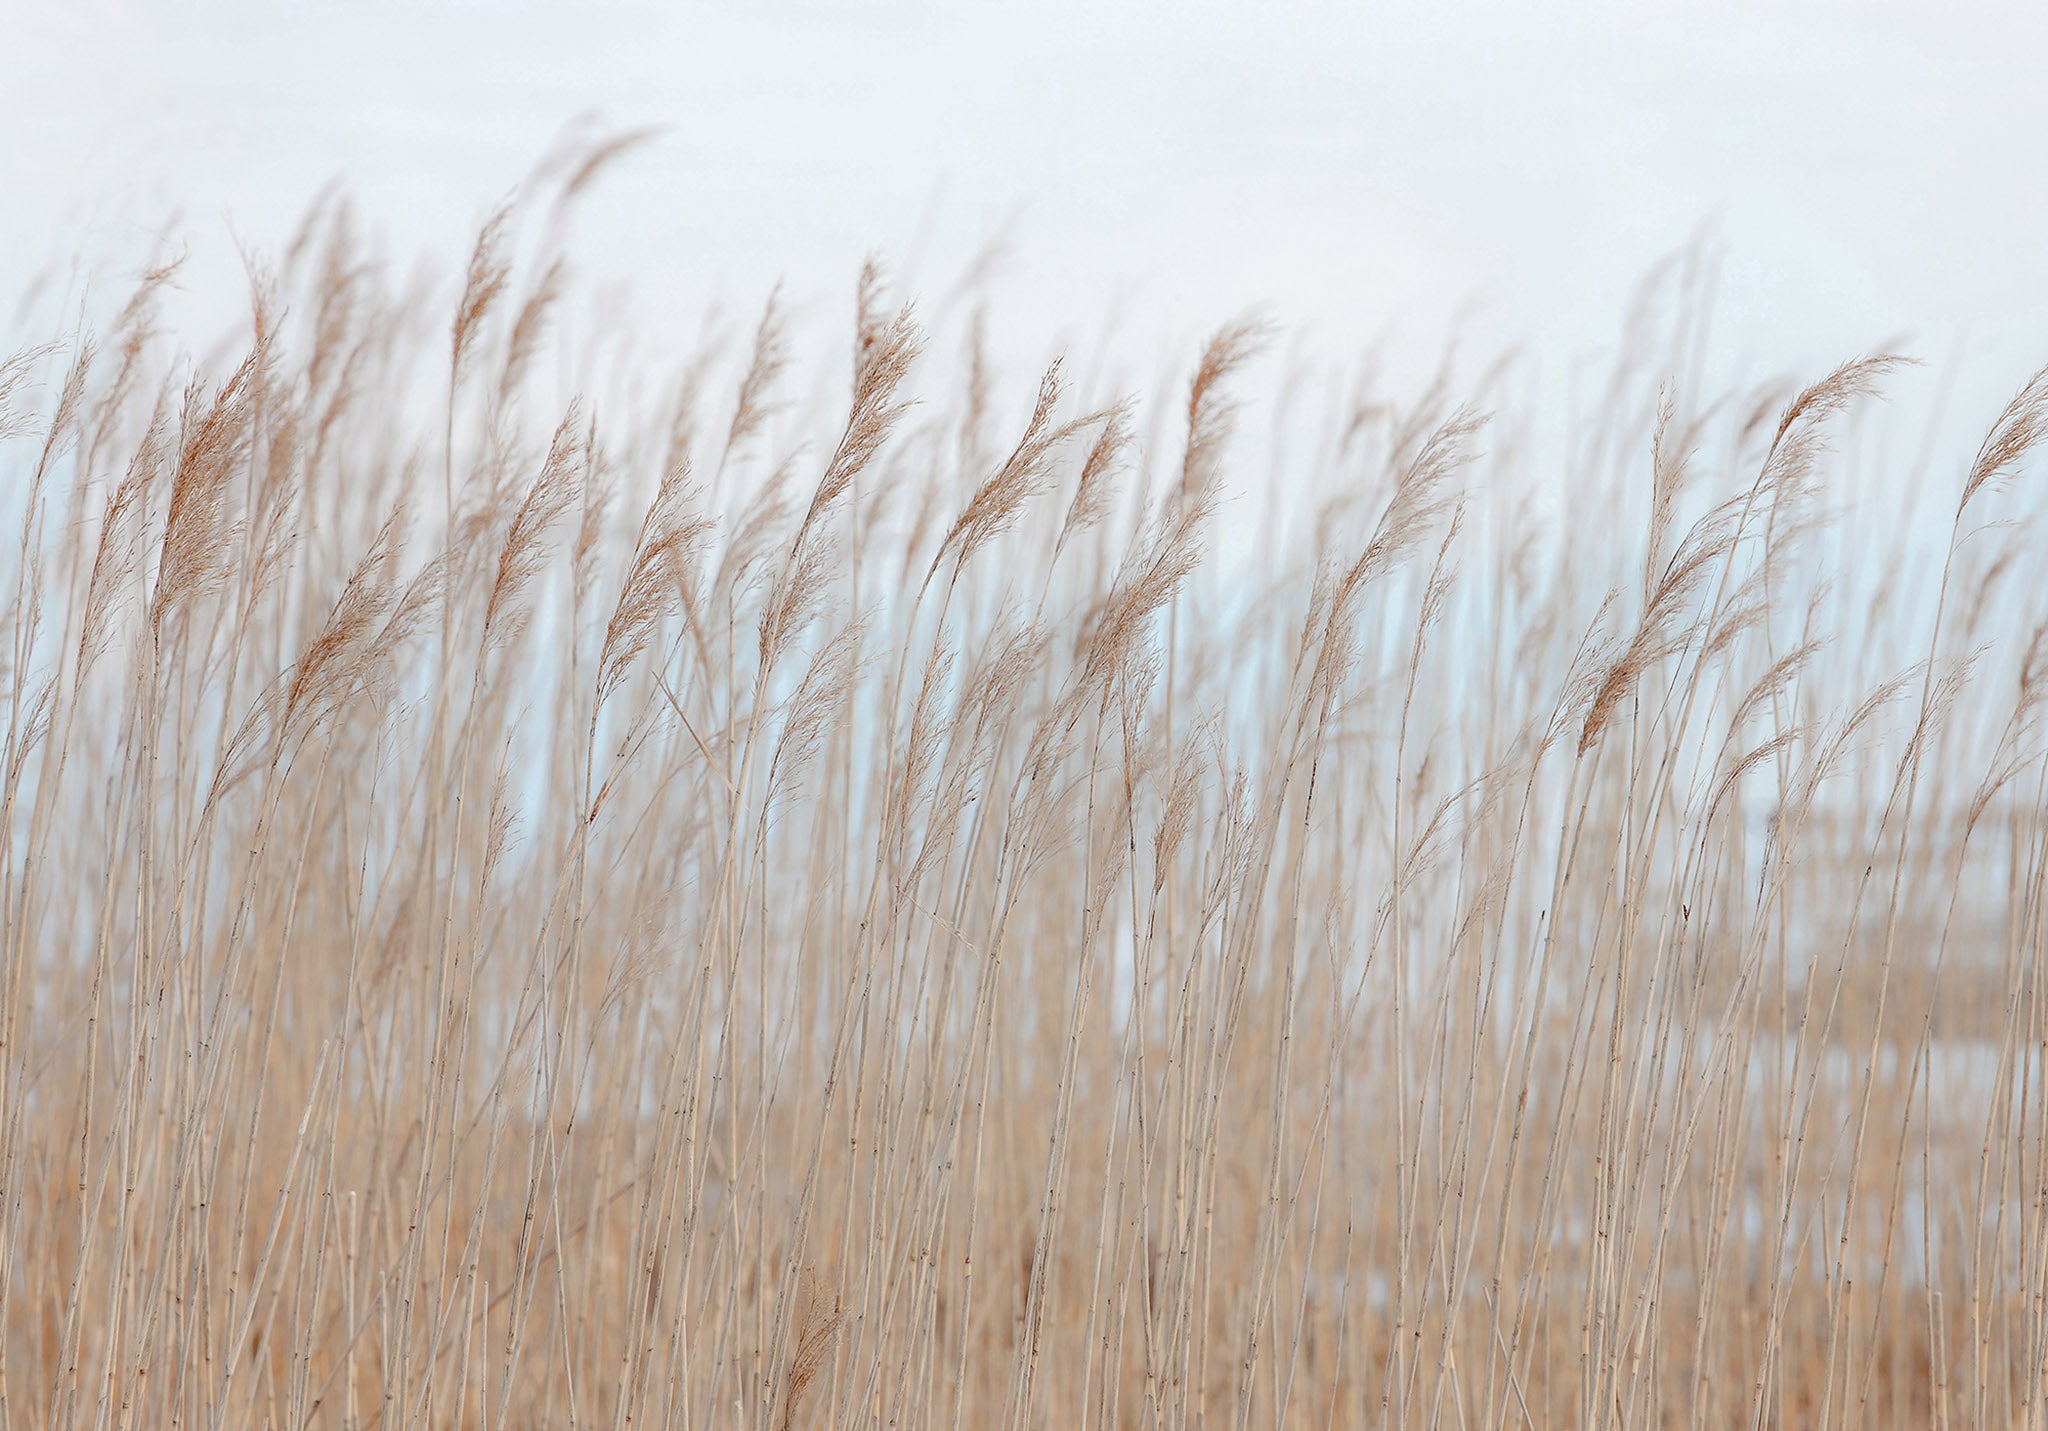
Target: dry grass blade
(2016, 433)
(333, 662)
(530, 325)
(884, 348)
(1211, 412)
(489, 272)
(1802, 427)
(1092, 491)
(547, 500)
(817, 1331)
(997, 503)
(660, 572)
(1667, 625)
(199, 527)
(765, 367)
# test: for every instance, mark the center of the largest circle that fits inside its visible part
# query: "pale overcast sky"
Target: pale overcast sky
(1871, 172)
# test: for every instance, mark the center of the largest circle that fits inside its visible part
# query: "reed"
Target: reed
(952, 902)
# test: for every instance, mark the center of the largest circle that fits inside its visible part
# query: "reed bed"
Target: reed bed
(810, 887)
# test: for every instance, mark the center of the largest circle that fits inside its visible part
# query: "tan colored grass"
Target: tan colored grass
(947, 912)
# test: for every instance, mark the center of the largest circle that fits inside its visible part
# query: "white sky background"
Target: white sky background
(1872, 174)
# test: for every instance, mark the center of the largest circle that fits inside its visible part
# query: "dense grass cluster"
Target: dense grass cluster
(787, 895)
